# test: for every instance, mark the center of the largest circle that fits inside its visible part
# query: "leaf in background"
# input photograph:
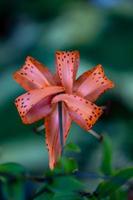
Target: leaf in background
(15, 190)
(45, 196)
(106, 165)
(12, 182)
(60, 187)
(68, 196)
(107, 188)
(67, 187)
(72, 147)
(59, 182)
(118, 195)
(93, 198)
(12, 168)
(42, 193)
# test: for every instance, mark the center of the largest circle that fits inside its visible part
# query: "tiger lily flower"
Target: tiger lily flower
(45, 90)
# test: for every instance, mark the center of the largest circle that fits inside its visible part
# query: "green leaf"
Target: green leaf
(45, 196)
(12, 182)
(107, 188)
(61, 186)
(114, 196)
(12, 169)
(13, 190)
(93, 198)
(119, 194)
(66, 165)
(106, 166)
(68, 196)
(72, 147)
(43, 193)
(66, 185)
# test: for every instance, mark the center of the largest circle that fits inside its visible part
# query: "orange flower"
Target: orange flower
(45, 90)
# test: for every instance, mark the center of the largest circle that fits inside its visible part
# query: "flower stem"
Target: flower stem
(60, 126)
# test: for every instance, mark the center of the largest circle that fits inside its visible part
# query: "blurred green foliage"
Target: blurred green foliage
(103, 33)
(65, 181)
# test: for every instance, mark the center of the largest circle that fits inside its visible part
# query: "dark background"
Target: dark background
(103, 33)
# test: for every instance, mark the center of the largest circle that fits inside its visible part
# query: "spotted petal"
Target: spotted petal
(34, 75)
(67, 66)
(36, 104)
(92, 84)
(82, 111)
(53, 134)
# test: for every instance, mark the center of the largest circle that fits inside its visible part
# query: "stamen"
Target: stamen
(39, 129)
(96, 135)
(104, 107)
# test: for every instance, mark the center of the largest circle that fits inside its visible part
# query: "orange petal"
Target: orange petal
(33, 75)
(92, 84)
(82, 111)
(36, 104)
(53, 134)
(67, 65)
